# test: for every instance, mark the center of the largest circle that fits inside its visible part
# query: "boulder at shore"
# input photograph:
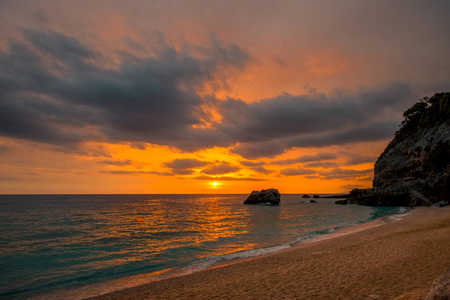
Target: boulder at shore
(441, 287)
(271, 196)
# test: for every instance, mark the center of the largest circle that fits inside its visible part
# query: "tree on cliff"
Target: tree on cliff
(414, 169)
(426, 113)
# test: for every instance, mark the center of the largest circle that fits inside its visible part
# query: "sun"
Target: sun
(214, 184)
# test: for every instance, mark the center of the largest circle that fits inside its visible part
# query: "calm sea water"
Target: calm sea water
(74, 246)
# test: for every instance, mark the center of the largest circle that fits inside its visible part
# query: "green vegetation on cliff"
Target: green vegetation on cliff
(414, 169)
(426, 113)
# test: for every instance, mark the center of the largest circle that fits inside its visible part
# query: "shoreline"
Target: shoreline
(213, 262)
(350, 263)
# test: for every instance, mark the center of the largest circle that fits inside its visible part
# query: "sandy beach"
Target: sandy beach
(396, 260)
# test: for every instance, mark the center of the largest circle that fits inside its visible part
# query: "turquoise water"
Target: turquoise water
(53, 243)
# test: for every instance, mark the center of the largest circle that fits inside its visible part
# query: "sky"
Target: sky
(210, 96)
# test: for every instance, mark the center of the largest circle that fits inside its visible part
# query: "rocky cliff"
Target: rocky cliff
(414, 169)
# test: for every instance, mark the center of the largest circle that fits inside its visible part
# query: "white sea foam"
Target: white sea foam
(403, 212)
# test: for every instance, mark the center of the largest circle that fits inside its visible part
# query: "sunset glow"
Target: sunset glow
(209, 97)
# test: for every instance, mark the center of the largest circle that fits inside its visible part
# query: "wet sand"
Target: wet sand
(397, 260)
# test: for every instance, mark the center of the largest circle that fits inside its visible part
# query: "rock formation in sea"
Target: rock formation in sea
(271, 196)
(414, 169)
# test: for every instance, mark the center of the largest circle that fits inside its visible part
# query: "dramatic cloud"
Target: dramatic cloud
(221, 168)
(261, 170)
(120, 89)
(307, 158)
(248, 163)
(257, 166)
(184, 166)
(54, 90)
(271, 126)
(297, 171)
(126, 162)
(229, 178)
(134, 172)
(321, 164)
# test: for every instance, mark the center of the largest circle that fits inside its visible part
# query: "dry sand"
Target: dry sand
(397, 260)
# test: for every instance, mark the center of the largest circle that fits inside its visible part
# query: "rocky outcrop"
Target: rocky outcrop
(441, 287)
(418, 163)
(270, 196)
(414, 169)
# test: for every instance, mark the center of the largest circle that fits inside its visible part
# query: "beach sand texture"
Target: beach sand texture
(397, 260)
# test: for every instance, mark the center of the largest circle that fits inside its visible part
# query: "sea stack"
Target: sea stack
(270, 196)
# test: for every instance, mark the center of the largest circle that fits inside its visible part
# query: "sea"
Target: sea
(78, 246)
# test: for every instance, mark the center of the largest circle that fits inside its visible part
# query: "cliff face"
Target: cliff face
(414, 169)
(419, 162)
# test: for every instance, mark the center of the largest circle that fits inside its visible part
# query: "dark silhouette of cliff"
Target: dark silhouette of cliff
(414, 168)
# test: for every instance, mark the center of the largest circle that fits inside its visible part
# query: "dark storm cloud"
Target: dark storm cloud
(271, 126)
(288, 116)
(62, 48)
(56, 90)
(375, 131)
